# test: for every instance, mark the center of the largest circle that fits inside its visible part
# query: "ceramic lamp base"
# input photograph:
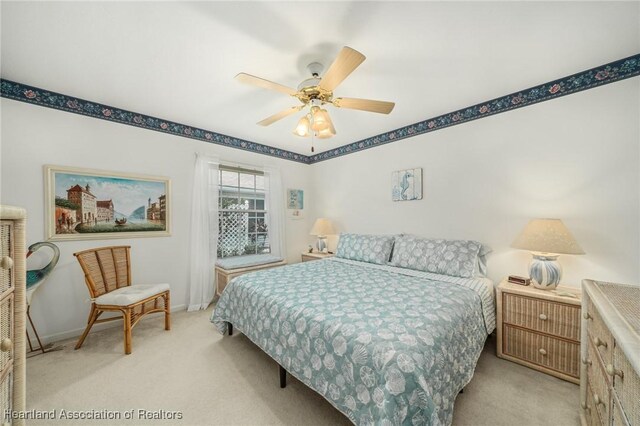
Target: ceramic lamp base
(545, 271)
(321, 244)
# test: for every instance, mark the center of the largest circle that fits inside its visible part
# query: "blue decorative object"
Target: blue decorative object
(321, 244)
(35, 278)
(546, 239)
(594, 77)
(545, 271)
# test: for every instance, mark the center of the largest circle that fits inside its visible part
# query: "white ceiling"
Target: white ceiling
(177, 60)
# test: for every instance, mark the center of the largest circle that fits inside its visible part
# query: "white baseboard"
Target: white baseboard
(64, 335)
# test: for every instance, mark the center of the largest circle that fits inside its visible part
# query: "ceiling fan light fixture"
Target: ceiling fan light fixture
(302, 129)
(327, 132)
(316, 91)
(321, 120)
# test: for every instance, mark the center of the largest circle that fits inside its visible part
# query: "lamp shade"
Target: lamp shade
(320, 119)
(325, 134)
(328, 132)
(302, 129)
(547, 236)
(322, 226)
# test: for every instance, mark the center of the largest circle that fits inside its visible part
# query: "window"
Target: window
(242, 226)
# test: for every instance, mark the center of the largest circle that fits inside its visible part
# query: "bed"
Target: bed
(383, 344)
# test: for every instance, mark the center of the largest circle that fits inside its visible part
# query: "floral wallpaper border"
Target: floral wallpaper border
(46, 98)
(594, 77)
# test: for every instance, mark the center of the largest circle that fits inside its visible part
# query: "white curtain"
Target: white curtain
(204, 232)
(274, 203)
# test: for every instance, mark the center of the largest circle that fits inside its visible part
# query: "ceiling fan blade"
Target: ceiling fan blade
(380, 107)
(279, 116)
(265, 84)
(348, 60)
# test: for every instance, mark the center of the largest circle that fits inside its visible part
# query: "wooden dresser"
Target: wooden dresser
(12, 312)
(540, 328)
(610, 384)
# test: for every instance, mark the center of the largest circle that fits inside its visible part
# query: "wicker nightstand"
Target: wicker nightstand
(307, 257)
(540, 328)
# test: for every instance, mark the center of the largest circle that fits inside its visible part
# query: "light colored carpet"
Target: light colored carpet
(215, 380)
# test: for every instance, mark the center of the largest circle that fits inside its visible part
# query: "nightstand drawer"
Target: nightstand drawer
(549, 317)
(545, 351)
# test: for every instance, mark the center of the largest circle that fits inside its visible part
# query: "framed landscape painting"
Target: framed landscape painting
(83, 204)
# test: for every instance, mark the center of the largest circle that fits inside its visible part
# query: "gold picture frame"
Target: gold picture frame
(89, 204)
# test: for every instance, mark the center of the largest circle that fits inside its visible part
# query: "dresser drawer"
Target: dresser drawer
(627, 387)
(554, 318)
(6, 393)
(6, 254)
(6, 330)
(545, 351)
(599, 408)
(599, 383)
(599, 334)
(619, 419)
(590, 412)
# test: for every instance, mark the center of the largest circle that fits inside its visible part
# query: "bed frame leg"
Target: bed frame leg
(230, 328)
(283, 377)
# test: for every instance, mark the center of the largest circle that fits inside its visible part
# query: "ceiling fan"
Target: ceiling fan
(317, 91)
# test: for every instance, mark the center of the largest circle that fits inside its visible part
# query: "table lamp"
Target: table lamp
(546, 239)
(321, 228)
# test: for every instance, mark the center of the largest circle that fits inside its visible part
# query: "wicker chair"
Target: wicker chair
(107, 273)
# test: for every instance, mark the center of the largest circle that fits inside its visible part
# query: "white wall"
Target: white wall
(574, 158)
(33, 136)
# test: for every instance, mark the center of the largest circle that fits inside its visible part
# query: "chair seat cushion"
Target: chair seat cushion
(131, 294)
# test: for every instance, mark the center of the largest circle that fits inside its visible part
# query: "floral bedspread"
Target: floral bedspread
(382, 346)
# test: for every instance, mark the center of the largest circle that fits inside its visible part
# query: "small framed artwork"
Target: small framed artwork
(406, 185)
(84, 204)
(295, 203)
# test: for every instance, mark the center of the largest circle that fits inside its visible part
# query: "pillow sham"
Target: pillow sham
(365, 248)
(456, 258)
(481, 264)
